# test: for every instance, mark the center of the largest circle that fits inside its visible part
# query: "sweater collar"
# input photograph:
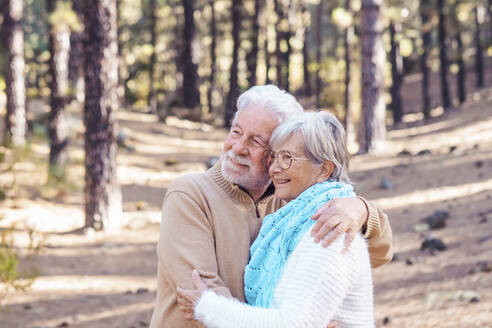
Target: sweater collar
(234, 190)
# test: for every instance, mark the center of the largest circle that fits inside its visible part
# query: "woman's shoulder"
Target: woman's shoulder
(357, 248)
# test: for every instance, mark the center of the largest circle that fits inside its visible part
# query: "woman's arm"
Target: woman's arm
(311, 289)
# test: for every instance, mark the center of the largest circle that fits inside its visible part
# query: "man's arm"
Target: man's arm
(349, 215)
(377, 231)
(186, 243)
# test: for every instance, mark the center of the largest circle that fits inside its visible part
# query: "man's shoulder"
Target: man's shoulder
(190, 183)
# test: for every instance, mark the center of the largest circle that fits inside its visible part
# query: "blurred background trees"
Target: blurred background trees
(192, 59)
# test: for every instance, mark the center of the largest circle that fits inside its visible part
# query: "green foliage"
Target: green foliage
(57, 174)
(136, 48)
(64, 16)
(11, 277)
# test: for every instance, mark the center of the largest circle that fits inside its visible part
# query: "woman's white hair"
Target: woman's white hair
(281, 103)
(324, 140)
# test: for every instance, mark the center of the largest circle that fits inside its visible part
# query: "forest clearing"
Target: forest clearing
(104, 103)
(97, 279)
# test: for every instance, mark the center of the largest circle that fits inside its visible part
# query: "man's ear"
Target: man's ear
(327, 169)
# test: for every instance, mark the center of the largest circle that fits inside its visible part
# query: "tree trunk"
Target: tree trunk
(103, 204)
(396, 74)
(234, 85)
(319, 38)
(213, 56)
(305, 55)
(373, 60)
(252, 58)
(489, 12)
(123, 89)
(153, 41)
(278, 39)
(461, 78)
(267, 57)
(75, 60)
(479, 50)
(426, 40)
(348, 39)
(286, 62)
(59, 46)
(15, 118)
(444, 66)
(178, 44)
(191, 96)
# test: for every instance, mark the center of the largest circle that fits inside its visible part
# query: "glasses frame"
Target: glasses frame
(269, 160)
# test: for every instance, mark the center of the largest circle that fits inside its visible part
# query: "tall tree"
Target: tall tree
(267, 55)
(178, 42)
(489, 12)
(426, 28)
(443, 60)
(234, 84)
(252, 58)
(461, 78)
(305, 51)
(213, 56)
(286, 36)
(123, 89)
(103, 204)
(15, 118)
(319, 38)
(153, 58)
(191, 96)
(478, 48)
(59, 46)
(75, 61)
(373, 59)
(348, 39)
(396, 73)
(278, 39)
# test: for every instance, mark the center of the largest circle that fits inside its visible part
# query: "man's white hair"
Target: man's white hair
(279, 102)
(324, 140)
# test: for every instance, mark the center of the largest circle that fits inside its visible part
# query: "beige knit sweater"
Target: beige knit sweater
(209, 224)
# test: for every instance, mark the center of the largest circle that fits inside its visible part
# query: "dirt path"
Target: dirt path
(102, 280)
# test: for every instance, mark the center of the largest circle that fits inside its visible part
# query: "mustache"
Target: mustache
(238, 159)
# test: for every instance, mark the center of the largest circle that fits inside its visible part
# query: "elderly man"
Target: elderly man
(209, 220)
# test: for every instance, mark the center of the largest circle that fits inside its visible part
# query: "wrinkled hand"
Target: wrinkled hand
(188, 298)
(339, 216)
(332, 324)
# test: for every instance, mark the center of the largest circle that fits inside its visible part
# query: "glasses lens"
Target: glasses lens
(284, 160)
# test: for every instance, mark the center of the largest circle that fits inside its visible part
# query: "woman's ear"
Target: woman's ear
(327, 169)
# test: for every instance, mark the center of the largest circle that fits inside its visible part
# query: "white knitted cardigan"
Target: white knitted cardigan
(318, 285)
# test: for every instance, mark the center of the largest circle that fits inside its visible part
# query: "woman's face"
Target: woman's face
(302, 173)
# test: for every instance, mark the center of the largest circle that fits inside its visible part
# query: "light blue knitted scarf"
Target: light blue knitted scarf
(279, 235)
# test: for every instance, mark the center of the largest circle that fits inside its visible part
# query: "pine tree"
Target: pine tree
(103, 204)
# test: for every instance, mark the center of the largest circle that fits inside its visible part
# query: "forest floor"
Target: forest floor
(94, 279)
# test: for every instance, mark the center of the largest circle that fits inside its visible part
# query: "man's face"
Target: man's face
(244, 149)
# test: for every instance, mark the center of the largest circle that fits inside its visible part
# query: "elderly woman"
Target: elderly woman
(290, 280)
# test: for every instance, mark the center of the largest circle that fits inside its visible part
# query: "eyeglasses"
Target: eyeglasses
(284, 159)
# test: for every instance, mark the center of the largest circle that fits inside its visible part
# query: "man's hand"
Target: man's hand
(339, 216)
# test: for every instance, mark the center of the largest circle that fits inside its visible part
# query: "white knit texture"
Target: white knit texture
(318, 285)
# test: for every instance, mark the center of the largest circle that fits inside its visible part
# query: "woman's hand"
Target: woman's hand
(188, 298)
(339, 216)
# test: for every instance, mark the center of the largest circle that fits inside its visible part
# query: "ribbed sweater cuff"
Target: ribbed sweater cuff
(372, 223)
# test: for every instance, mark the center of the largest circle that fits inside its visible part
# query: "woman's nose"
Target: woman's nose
(274, 168)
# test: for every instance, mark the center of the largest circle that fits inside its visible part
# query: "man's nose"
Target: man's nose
(240, 146)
